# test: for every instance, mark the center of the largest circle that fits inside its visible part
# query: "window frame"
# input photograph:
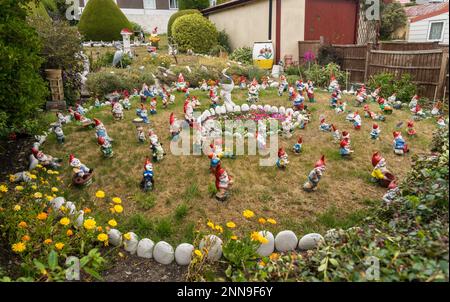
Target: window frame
(154, 4)
(442, 31)
(170, 7)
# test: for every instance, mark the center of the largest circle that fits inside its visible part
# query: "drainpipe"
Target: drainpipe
(278, 31)
(270, 20)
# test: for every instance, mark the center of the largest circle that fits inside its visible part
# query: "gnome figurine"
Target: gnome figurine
(147, 182)
(140, 133)
(411, 130)
(375, 133)
(298, 146)
(57, 129)
(310, 92)
(315, 175)
(156, 146)
(253, 92)
(344, 149)
(181, 84)
(357, 121)
(175, 127)
(117, 111)
(224, 181)
(336, 134)
(82, 174)
(105, 147)
(380, 173)
(46, 160)
(142, 114)
(399, 144)
(282, 161)
(323, 125)
(100, 130)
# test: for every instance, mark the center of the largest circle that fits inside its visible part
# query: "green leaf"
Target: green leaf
(322, 267)
(52, 260)
(39, 265)
(334, 262)
(93, 273)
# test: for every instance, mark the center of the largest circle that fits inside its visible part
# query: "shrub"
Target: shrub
(243, 55)
(159, 60)
(389, 84)
(102, 20)
(176, 16)
(224, 40)
(294, 70)
(329, 54)
(320, 75)
(194, 32)
(217, 50)
(193, 4)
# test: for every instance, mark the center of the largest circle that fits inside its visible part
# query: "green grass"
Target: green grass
(145, 201)
(163, 228)
(138, 224)
(181, 211)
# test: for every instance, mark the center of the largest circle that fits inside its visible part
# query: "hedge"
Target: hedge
(194, 32)
(177, 15)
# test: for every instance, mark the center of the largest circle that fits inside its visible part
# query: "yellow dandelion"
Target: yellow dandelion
(272, 221)
(59, 246)
(117, 200)
(32, 176)
(22, 225)
(234, 237)
(219, 228)
(198, 253)
(274, 256)
(255, 236)
(48, 241)
(19, 247)
(64, 221)
(263, 240)
(210, 224)
(69, 232)
(87, 210)
(248, 214)
(99, 229)
(100, 194)
(42, 216)
(34, 187)
(17, 208)
(231, 225)
(12, 178)
(127, 236)
(55, 189)
(262, 220)
(25, 238)
(118, 208)
(49, 198)
(102, 237)
(19, 188)
(89, 224)
(37, 195)
(3, 189)
(112, 223)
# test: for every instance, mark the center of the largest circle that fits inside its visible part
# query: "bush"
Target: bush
(243, 55)
(193, 4)
(224, 40)
(176, 16)
(159, 60)
(102, 20)
(328, 54)
(320, 75)
(295, 70)
(194, 32)
(106, 59)
(389, 84)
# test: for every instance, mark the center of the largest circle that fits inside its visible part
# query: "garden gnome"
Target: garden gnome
(346, 134)
(153, 104)
(47, 161)
(344, 149)
(299, 85)
(147, 182)
(334, 99)
(61, 118)
(315, 175)
(441, 122)
(399, 144)
(323, 125)
(105, 147)
(142, 114)
(437, 108)
(189, 111)
(100, 130)
(223, 183)
(175, 127)
(204, 85)
(214, 160)
(418, 112)
(242, 82)
(414, 101)
(298, 146)
(213, 97)
(361, 97)
(340, 107)
(97, 103)
(57, 129)
(298, 101)
(80, 170)
(126, 103)
(140, 133)
(380, 173)
(357, 121)
(375, 133)
(117, 111)
(311, 92)
(261, 140)
(264, 84)
(392, 99)
(411, 130)
(282, 161)
(156, 146)
(334, 84)
(80, 109)
(375, 93)
(181, 84)
(283, 86)
(145, 93)
(253, 92)
(336, 133)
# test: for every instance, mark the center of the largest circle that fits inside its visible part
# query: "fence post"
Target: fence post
(442, 75)
(366, 68)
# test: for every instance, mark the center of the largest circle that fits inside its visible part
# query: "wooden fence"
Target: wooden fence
(427, 63)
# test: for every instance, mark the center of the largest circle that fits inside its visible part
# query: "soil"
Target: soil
(135, 269)
(13, 155)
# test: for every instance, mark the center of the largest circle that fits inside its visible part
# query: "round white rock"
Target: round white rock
(115, 237)
(131, 245)
(163, 253)
(145, 248)
(266, 249)
(286, 241)
(214, 245)
(183, 253)
(310, 241)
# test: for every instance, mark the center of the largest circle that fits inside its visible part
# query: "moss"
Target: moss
(102, 20)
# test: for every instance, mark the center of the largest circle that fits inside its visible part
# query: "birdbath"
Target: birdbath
(126, 35)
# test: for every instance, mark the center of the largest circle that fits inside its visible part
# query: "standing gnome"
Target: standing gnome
(175, 127)
(253, 92)
(117, 111)
(344, 149)
(142, 114)
(223, 183)
(315, 175)
(140, 133)
(82, 174)
(181, 84)
(57, 129)
(375, 133)
(147, 182)
(310, 92)
(399, 144)
(105, 147)
(298, 146)
(282, 161)
(411, 130)
(336, 133)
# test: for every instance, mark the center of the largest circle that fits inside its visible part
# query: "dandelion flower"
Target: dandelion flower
(262, 220)
(17, 208)
(263, 240)
(100, 194)
(48, 241)
(234, 237)
(3, 189)
(255, 236)
(127, 236)
(59, 246)
(25, 238)
(118, 208)
(37, 195)
(274, 256)
(231, 225)
(34, 187)
(99, 229)
(19, 188)
(219, 228)
(19, 247)
(86, 210)
(32, 176)
(89, 224)
(112, 223)
(12, 178)
(55, 189)
(117, 200)
(210, 224)
(248, 214)
(198, 253)
(102, 237)
(22, 224)
(69, 232)
(42, 216)
(64, 221)
(272, 221)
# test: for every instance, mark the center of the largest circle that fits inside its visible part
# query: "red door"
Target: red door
(335, 20)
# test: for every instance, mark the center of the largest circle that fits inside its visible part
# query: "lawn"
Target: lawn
(181, 201)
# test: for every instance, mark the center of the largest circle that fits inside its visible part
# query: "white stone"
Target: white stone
(71, 207)
(289, 111)
(131, 245)
(115, 237)
(260, 107)
(286, 241)
(145, 248)
(80, 218)
(214, 246)
(245, 108)
(274, 109)
(163, 253)
(266, 249)
(282, 110)
(183, 253)
(310, 241)
(253, 107)
(274, 85)
(229, 108)
(267, 108)
(57, 203)
(33, 162)
(237, 108)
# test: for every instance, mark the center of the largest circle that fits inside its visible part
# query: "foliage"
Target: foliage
(295, 70)
(193, 4)
(389, 84)
(320, 75)
(243, 55)
(135, 27)
(106, 59)
(194, 32)
(329, 54)
(224, 40)
(22, 90)
(176, 15)
(217, 51)
(159, 60)
(102, 20)
(393, 17)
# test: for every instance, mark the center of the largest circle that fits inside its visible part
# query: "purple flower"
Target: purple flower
(309, 56)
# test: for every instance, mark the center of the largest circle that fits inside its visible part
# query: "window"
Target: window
(212, 3)
(149, 4)
(173, 4)
(436, 31)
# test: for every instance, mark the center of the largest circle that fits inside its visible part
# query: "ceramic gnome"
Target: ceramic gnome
(82, 174)
(80, 109)
(181, 84)
(380, 173)
(253, 92)
(61, 118)
(300, 86)
(298, 146)
(375, 133)
(105, 147)
(334, 99)
(142, 114)
(411, 130)
(384, 105)
(340, 108)
(242, 82)
(336, 134)
(189, 111)
(298, 101)
(437, 108)
(441, 122)
(153, 104)
(223, 183)
(361, 97)
(283, 85)
(175, 127)
(399, 144)
(323, 125)
(310, 92)
(156, 146)
(100, 130)
(204, 85)
(315, 175)
(126, 100)
(334, 84)
(57, 129)
(375, 93)
(147, 182)
(282, 161)
(213, 98)
(140, 134)
(117, 111)
(357, 121)
(47, 161)
(344, 149)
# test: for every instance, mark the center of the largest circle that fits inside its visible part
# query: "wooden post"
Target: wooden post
(442, 75)
(366, 68)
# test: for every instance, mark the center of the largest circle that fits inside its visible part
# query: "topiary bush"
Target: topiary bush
(243, 55)
(175, 16)
(194, 32)
(102, 20)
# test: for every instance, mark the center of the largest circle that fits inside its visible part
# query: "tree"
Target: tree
(193, 4)
(102, 20)
(393, 17)
(22, 89)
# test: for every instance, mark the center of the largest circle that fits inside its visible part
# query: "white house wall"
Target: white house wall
(418, 31)
(150, 18)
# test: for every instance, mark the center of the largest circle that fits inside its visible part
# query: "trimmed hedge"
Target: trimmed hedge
(194, 32)
(176, 16)
(102, 20)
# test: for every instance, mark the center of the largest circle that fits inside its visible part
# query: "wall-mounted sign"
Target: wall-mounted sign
(263, 54)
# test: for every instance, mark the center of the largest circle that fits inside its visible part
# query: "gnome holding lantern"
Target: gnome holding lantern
(380, 173)
(47, 161)
(147, 182)
(82, 174)
(224, 181)
(315, 175)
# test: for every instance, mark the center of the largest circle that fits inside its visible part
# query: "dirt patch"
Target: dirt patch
(13, 155)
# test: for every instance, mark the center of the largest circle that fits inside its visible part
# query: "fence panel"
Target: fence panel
(305, 46)
(408, 46)
(353, 60)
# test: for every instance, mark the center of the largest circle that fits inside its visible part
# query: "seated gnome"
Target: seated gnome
(298, 146)
(418, 112)
(47, 161)
(399, 144)
(441, 122)
(84, 121)
(265, 84)
(384, 106)
(380, 173)
(57, 129)
(340, 108)
(61, 118)
(156, 146)
(175, 127)
(414, 101)
(282, 161)
(411, 130)
(105, 147)
(97, 103)
(315, 175)
(298, 101)
(82, 174)
(140, 133)
(204, 85)
(181, 85)
(323, 125)
(147, 182)
(80, 109)
(117, 111)
(360, 97)
(310, 92)
(142, 114)
(344, 149)
(223, 183)
(375, 94)
(375, 133)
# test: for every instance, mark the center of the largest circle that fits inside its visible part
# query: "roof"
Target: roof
(225, 5)
(424, 11)
(126, 31)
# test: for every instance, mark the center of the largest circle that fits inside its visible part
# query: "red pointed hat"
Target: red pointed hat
(396, 134)
(97, 122)
(71, 158)
(254, 82)
(281, 152)
(410, 124)
(300, 140)
(172, 118)
(375, 126)
(320, 162)
(34, 150)
(366, 107)
(376, 157)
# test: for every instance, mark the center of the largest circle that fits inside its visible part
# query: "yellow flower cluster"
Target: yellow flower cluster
(89, 224)
(3, 189)
(248, 214)
(255, 236)
(19, 247)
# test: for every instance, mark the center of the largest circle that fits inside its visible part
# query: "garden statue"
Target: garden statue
(414, 102)
(84, 121)
(253, 92)
(437, 108)
(100, 130)
(334, 99)
(340, 108)
(213, 97)
(154, 39)
(105, 147)
(300, 86)
(153, 104)
(372, 115)
(156, 147)
(226, 89)
(82, 174)
(61, 118)
(384, 106)
(302, 120)
(380, 173)
(97, 103)
(298, 146)
(310, 91)
(392, 99)
(282, 161)
(336, 134)
(264, 84)
(441, 122)
(140, 133)
(142, 114)
(145, 93)
(147, 182)
(47, 161)
(80, 109)
(344, 149)
(204, 85)
(411, 130)
(242, 82)
(399, 144)
(181, 84)
(346, 135)
(334, 84)
(357, 121)
(117, 111)
(375, 94)
(298, 101)
(261, 140)
(375, 133)
(223, 183)
(315, 175)
(283, 85)
(165, 97)
(175, 127)
(126, 102)
(214, 161)
(287, 127)
(57, 129)
(361, 97)
(418, 112)
(189, 111)
(323, 125)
